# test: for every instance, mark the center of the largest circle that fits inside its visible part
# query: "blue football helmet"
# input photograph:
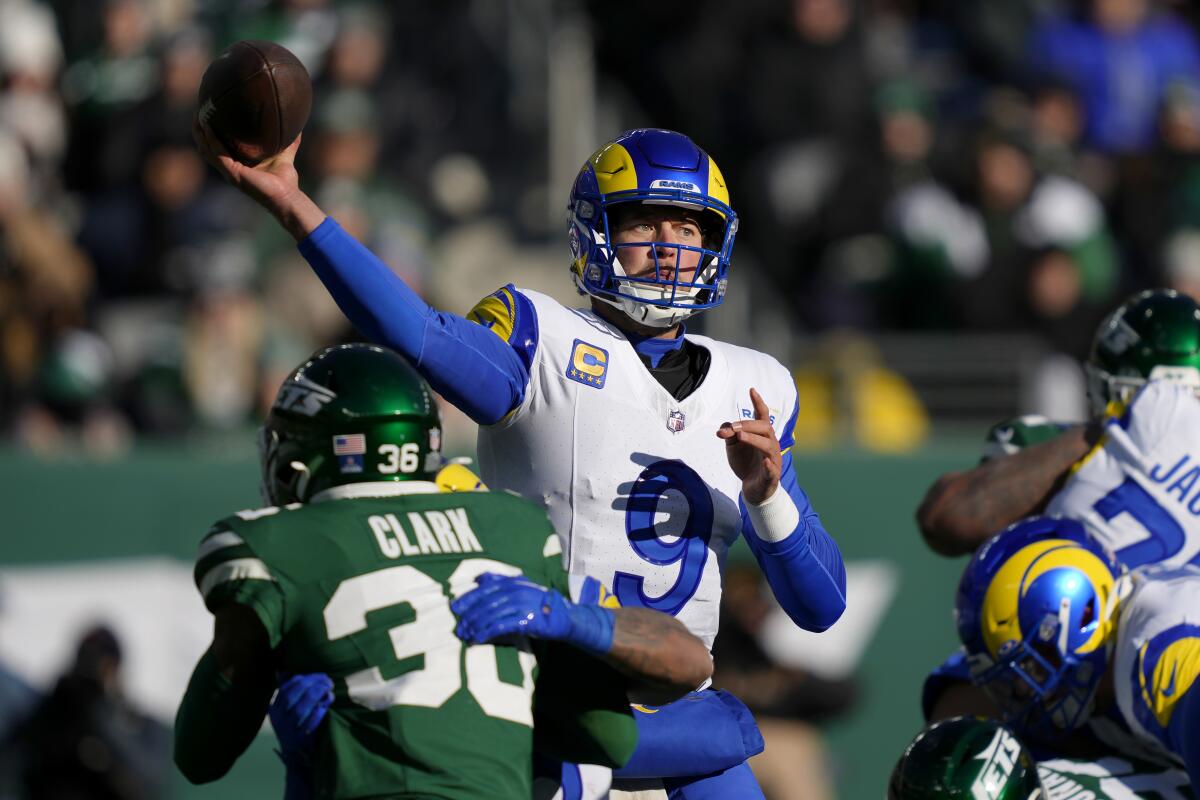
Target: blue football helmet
(1036, 610)
(655, 167)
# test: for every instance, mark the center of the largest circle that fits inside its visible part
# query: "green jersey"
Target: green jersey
(360, 589)
(1016, 434)
(1115, 778)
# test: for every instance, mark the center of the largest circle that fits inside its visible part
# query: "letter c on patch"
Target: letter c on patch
(590, 360)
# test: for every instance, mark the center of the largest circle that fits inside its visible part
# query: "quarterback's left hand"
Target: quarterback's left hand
(753, 452)
(505, 605)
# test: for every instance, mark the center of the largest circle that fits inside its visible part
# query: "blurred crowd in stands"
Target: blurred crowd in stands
(931, 165)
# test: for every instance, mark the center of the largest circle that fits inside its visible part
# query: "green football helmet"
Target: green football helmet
(1153, 335)
(965, 757)
(350, 414)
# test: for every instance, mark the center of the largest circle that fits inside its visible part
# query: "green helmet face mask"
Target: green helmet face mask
(353, 413)
(965, 757)
(1153, 335)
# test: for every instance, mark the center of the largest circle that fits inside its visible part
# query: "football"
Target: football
(256, 97)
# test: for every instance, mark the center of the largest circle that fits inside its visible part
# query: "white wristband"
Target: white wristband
(775, 518)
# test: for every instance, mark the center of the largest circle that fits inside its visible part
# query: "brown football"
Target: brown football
(256, 97)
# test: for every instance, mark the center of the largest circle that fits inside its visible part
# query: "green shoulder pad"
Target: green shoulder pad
(229, 569)
(1016, 434)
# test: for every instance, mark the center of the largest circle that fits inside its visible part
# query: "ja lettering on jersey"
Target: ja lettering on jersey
(636, 482)
(1138, 491)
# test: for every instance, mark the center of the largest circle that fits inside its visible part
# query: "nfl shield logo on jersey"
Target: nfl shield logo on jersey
(675, 421)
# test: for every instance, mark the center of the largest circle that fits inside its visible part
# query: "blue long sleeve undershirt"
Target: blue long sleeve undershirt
(466, 363)
(481, 374)
(805, 570)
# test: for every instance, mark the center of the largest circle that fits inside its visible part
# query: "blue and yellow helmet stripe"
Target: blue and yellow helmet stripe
(616, 168)
(1007, 595)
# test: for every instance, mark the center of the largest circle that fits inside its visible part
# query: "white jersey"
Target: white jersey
(1139, 491)
(1158, 651)
(635, 482)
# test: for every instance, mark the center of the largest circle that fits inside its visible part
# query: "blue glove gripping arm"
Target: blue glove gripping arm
(297, 711)
(466, 363)
(505, 605)
(805, 569)
(591, 627)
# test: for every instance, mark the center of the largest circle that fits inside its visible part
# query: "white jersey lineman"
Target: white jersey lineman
(1139, 491)
(1157, 656)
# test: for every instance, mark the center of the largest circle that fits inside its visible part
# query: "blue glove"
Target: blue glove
(507, 605)
(299, 706)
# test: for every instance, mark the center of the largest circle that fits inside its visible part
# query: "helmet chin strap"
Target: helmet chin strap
(647, 314)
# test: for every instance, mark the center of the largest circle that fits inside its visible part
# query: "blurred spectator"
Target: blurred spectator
(45, 282)
(306, 27)
(73, 411)
(84, 740)
(1181, 261)
(812, 143)
(788, 703)
(1120, 56)
(102, 86)
(30, 108)
(221, 356)
(147, 233)
(1025, 215)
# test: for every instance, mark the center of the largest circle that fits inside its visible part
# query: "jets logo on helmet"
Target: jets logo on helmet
(965, 758)
(999, 761)
(651, 167)
(1154, 335)
(302, 397)
(350, 414)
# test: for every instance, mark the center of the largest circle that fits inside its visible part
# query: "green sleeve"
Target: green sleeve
(216, 722)
(229, 571)
(581, 713)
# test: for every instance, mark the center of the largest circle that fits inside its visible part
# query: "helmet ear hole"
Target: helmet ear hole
(300, 479)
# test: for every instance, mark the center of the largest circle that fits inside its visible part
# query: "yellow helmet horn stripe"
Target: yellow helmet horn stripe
(716, 185)
(614, 169)
(1000, 619)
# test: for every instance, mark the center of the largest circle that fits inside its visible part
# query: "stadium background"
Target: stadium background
(939, 202)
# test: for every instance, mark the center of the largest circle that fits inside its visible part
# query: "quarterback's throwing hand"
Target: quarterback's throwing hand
(505, 605)
(270, 183)
(753, 451)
